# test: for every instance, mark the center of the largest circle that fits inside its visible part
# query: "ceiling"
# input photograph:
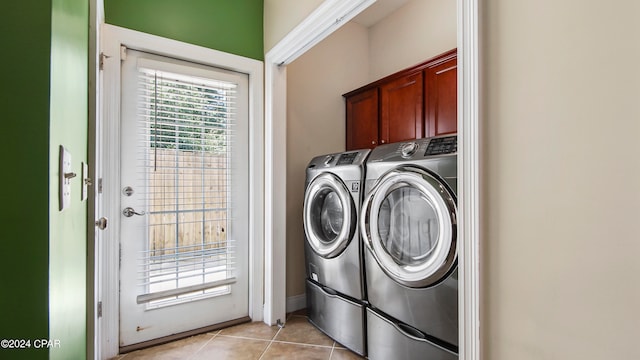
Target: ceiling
(378, 11)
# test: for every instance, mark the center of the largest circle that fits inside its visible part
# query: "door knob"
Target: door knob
(129, 212)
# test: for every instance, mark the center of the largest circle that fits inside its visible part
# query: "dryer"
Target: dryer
(333, 250)
(409, 226)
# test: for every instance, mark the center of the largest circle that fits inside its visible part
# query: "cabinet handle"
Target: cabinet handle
(382, 141)
(373, 142)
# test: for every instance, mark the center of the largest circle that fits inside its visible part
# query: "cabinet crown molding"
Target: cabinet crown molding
(434, 61)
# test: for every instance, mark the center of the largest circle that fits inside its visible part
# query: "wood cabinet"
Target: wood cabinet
(401, 116)
(417, 102)
(362, 132)
(441, 97)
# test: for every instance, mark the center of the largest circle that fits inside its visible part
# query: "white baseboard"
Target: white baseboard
(296, 302)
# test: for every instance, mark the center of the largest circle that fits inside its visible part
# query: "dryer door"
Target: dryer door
(409, 224)
(330, 218)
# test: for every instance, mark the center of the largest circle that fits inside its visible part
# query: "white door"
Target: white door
(184, 197)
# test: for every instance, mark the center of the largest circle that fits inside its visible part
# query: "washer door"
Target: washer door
(329, 215)
(410, 226)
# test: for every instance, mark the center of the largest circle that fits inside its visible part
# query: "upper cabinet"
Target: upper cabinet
(441, 96)
(401, 113)
(362, 133)
(417, 102)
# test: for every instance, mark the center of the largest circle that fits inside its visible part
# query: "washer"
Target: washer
(333, 250)
(409, 228)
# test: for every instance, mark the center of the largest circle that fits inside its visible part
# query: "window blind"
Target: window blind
(186, 129)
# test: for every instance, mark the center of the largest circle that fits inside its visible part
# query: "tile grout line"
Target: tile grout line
(274, 339)
(244, 337)
(205, 344)
(300, 343)
(268, 346)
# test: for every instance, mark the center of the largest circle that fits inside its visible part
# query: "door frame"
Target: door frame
(96, 17)
(328, 17)
(112, 38)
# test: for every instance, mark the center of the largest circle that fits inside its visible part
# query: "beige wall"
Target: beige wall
(561, 180)
(315, 123)
(281, 16)
(414, 33)
(561, 183)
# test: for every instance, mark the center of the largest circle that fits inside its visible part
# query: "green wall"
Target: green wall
(25, 34)
(44, 104)
(232, 26)
(68, 127)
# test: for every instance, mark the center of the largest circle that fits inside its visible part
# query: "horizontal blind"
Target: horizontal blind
(186, 127)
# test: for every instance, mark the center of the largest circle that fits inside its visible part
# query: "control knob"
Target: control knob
(408, 149)
(328, 159)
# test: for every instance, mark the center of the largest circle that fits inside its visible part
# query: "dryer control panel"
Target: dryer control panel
(347, 158)
(442, 145)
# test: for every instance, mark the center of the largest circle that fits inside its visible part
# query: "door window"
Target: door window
(329, 215)
(409, 225)
(188, 126)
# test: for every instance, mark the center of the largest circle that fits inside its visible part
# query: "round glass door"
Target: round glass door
(329, 215)
(410, 226)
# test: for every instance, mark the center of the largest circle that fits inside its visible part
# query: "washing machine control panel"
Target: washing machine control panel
(442, 145)
(347, 158)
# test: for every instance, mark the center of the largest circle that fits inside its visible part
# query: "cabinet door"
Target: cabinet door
(401, 109)
(441, 98)
(362, 120)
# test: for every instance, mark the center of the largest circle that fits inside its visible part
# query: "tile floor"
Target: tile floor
(297, 340)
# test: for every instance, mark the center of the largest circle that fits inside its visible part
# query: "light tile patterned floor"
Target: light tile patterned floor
(297, 340)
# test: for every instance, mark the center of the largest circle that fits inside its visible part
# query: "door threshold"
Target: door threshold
(182, 335)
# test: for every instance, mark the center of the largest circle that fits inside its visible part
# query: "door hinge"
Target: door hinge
(123, 52)
(100, 186)
(99, 309)
(103, 57)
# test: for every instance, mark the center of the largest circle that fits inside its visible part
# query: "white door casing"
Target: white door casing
(327, 18)
(318, 25)
(94, 205)
(112, 39)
